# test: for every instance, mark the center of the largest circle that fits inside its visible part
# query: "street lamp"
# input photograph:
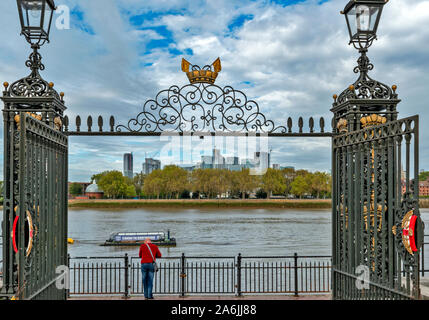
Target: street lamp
(36, 19)
(362, 17)
(366, 96)
(33, 93)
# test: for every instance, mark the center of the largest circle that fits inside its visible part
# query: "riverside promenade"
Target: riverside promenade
(424, 287)
(206, 297)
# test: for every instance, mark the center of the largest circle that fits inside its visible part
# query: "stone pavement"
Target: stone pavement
(424, 288)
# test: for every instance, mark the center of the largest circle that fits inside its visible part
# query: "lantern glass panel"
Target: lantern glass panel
(362, 19)
(32, 13)
(48, 18)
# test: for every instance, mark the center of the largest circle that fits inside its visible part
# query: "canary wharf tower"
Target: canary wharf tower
(128, 165)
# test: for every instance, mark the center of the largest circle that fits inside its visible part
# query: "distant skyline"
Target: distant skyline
(138, 163)
(290, 56)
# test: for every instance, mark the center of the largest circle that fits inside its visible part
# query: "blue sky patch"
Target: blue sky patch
(239, 21)
(139, 20)
(77, 20)
(164, 43)
(285, 3)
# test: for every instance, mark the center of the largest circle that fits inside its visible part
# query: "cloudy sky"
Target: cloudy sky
(289, 56)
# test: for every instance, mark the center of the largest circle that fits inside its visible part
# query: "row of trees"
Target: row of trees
(174, 182)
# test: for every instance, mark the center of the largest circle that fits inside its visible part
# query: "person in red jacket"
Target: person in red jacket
(148, 253)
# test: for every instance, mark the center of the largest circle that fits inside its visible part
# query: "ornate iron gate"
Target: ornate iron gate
(377, 229)
(34, 225)
(376, 222)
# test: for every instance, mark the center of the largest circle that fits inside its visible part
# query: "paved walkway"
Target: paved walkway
(424, 288)
(208, 297)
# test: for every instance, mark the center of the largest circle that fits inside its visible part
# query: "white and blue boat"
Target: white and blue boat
(137, 238)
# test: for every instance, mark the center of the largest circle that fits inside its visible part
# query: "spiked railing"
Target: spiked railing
(298, 128)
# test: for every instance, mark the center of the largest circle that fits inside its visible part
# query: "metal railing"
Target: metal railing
(284, 274)
(422, 264)
(233, 275)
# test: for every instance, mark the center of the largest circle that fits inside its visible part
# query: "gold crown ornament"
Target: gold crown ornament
(372, 120)
(207, 74)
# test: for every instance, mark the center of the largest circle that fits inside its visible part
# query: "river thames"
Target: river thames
(209, 232)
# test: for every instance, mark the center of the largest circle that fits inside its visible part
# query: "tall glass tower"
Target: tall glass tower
(128, 165)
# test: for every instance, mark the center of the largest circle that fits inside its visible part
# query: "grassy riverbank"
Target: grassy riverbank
(191, 203)
(271, 203)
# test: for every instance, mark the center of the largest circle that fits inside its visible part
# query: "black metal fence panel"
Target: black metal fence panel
(202, 275)
(98, 275)
(287, 274)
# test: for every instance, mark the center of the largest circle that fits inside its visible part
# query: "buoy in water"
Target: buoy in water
(70, 240)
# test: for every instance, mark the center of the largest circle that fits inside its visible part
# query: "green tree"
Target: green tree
(196, 182)
(114, 184)
(273, 182)
(175, 180)
(224, 182)
(424, 175)
(75, 189)
(289, 175)
(138, 182)
(320, 183)
(243, 182)
(153, 184)
(211, 182)
(130, 192)
(97, 177)
(299, 186)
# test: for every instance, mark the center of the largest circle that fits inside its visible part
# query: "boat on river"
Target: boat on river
(137, 238)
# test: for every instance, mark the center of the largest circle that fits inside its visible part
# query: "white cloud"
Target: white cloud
(291, 60)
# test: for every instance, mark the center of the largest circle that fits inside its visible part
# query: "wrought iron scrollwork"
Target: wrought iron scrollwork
(365, 87)
(33, 85)
(201, 107)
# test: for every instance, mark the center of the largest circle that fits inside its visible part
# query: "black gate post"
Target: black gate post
(239, 275)
(295, 263)
(182, 275)
(126, 276)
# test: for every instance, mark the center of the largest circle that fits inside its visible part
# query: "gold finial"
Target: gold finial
(51, 84)
(62, 95)
(5, 85)
(335, 97)
(351, 87)
(394, 87)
